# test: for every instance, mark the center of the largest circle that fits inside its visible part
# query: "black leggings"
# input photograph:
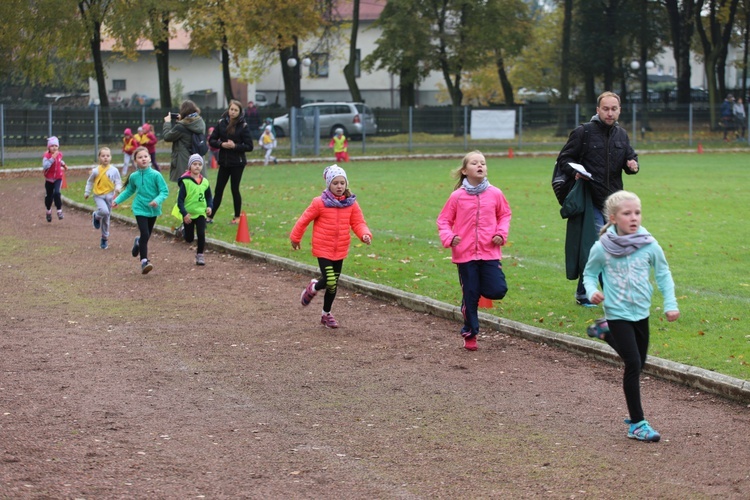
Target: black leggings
(224, 175)
(330, 270)
(145, 226)
(630, 340)
(53, 194)
(198, 225)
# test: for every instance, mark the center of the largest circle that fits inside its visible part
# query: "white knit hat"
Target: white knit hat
(194, 158)
(332, 172)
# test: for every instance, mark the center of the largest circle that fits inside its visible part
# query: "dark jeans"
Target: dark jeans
(479, 277)
(599, 224)
(153, 162)
(53, 194)
(198, 225)
(630, 340)
(330, 270)
(224, 175)
(145, 226)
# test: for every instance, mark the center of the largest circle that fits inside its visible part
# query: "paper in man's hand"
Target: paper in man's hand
(580, 169)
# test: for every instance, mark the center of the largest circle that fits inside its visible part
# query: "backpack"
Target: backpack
(562, 183)
(198, 144)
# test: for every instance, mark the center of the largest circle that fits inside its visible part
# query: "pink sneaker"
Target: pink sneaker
(329, 321)
(308, 293)
(470, 343)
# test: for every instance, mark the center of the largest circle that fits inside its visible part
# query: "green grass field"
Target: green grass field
(693, 204)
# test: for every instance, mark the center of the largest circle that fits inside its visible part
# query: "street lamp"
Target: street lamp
(635, 66)
(293, 64)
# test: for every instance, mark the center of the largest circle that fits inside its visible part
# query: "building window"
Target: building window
(357, 59)
(319, 65)
(118, 84)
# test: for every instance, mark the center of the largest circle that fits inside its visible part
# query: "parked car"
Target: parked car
(333, 115)
(261, 99)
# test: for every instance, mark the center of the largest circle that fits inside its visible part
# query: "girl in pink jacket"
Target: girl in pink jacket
(334, 214)
(54, 169)
(474, 223)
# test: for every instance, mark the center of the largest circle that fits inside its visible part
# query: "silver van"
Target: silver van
(353, 117)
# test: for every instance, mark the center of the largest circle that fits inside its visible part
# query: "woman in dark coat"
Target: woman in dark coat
(233, 138)
(180, 134)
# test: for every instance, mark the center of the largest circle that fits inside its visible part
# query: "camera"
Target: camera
(174, 116)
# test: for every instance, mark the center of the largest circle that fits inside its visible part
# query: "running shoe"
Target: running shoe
(308, 293)
(329, 321)
(642, 431)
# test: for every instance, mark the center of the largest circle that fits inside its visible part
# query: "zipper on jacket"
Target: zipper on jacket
(476, 229)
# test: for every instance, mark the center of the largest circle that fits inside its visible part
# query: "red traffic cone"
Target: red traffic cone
(485, 303)
(213, 162)
(64, 181)
(700, 148)
(510, 153)
(243, 234)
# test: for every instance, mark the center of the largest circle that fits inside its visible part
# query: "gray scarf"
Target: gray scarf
(475, 190)
(620, 246)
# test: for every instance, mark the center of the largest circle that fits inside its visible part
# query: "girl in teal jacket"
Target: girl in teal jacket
(625, 255)
(150, 191)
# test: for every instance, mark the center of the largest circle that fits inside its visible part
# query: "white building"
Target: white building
(200, 79)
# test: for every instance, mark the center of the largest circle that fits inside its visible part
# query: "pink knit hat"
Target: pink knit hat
(128, 132)
(53, 141)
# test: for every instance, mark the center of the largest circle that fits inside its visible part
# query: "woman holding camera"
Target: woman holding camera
(233, 138)
(179, 129)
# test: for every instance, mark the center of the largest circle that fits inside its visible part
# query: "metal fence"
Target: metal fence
(412, 129)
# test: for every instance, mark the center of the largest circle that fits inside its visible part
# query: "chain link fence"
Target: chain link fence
(536, 126)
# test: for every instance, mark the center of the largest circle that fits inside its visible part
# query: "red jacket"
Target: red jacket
(129, 144)
(330, 237)
(151, 140)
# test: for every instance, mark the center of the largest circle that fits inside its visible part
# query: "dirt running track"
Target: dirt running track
(215, 383)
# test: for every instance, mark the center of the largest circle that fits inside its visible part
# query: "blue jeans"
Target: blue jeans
(479, 278)
(599, 224)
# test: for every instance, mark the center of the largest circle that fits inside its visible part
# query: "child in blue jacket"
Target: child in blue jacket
(624, 256)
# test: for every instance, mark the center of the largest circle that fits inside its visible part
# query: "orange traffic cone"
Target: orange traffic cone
(243, 234)
(700, 148)
(64, 181)
(485, 303)
(510, 153)
(213, 162)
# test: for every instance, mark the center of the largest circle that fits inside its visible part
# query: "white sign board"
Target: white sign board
(493, 124)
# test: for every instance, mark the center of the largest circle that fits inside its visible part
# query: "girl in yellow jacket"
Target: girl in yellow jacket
(105, 182)
(333, 214)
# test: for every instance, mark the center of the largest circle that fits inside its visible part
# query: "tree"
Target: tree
(127, 29)
(501, 30)
(402, 47)
(93, 13)
(351, 79)
(41, 46)
(564, 66)
(682, 25)
(715, 31)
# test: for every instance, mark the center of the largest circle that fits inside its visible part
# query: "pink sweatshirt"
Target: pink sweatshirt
(476, 219)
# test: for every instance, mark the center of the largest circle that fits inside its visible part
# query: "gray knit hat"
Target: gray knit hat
(194, 158)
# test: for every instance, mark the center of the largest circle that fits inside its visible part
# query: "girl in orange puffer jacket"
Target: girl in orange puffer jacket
(333, 214)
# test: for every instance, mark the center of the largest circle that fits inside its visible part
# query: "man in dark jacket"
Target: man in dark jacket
(603, 148)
